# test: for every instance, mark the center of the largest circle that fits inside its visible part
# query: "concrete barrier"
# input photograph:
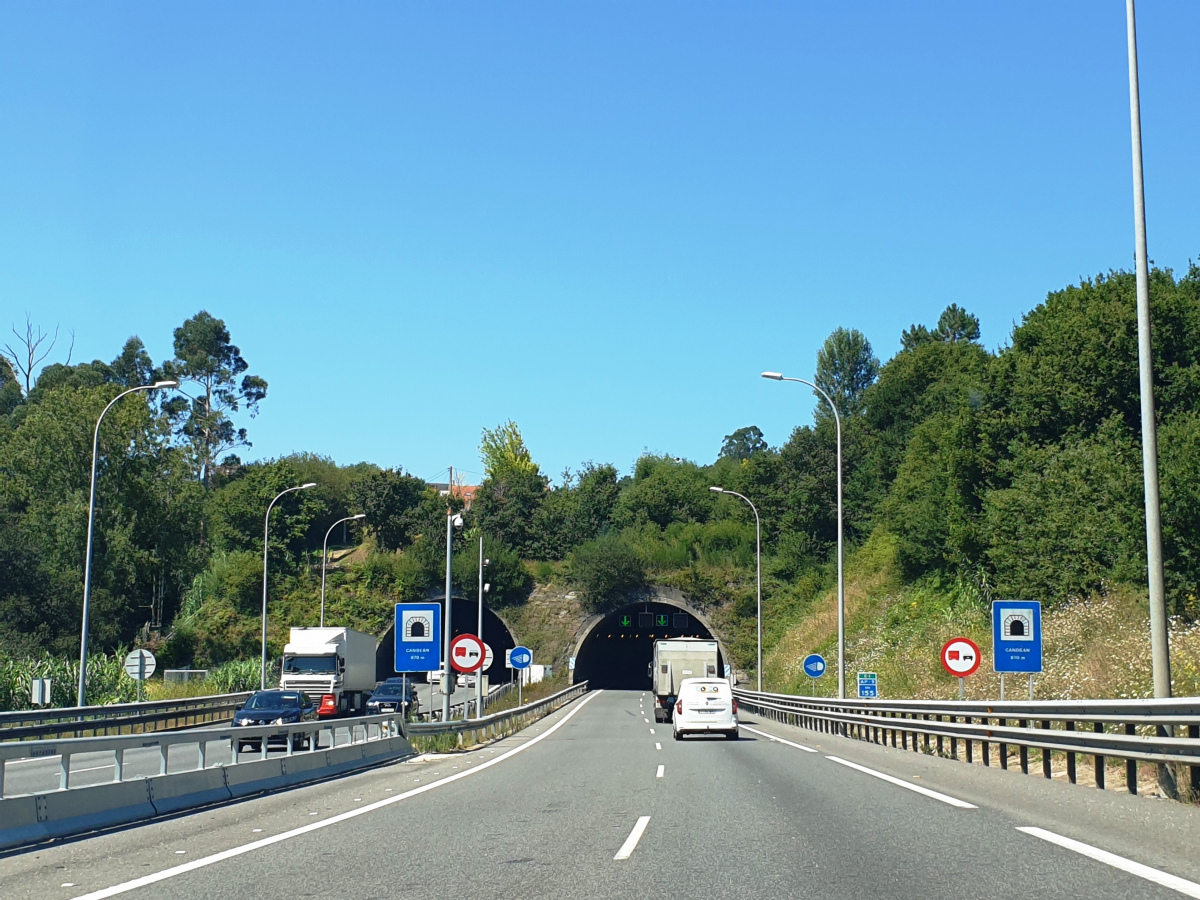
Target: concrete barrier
(187, 790)
(103, 806)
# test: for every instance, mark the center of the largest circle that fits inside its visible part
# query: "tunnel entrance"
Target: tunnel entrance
(465, 612)
(618, 650)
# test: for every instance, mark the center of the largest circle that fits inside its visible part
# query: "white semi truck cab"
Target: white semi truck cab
(333, 666)
(675, 660)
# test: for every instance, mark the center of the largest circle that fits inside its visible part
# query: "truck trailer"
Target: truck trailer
(333, 666)
(675, 660)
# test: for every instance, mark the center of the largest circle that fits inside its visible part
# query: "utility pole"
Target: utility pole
(447, 674)
(1160, 652)
(479, 675)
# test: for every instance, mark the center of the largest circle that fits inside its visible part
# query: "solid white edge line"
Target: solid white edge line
(945, 798)
(1174, 882)
(333, 820)
(634, 836)
(781, 740)
(659, 773)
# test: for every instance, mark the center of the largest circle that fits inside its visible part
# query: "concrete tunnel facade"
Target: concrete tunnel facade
(615, 650)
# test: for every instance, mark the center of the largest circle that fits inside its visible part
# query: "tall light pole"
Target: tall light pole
(325, 555)
(266, 531)
(453, 520)
(1160, 652)
(87, 560)
(758, 565)
(483, 588)
(837, 419)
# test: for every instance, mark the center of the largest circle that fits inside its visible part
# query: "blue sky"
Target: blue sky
(600, 220)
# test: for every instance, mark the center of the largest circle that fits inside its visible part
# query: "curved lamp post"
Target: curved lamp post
(776, 376)
(325, 554)
(758, 565)
(87, 564)
(266, 530)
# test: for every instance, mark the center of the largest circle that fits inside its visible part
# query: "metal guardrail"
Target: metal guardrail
(155, 715)
(1131, 730)
(298, 739)
(501, 723)
(467, 706)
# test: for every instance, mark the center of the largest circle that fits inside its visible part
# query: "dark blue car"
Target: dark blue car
(274, 708)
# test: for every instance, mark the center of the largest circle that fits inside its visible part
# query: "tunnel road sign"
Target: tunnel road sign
(960, 657)
(814, 665)
(467, 653)
(1017, 636)
(418, 632)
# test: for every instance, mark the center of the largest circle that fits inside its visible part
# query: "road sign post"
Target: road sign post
(139, 665)
(868, 685)
(960, 657)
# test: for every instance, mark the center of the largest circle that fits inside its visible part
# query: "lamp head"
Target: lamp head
(774, 376)
(717, 490)
(359, 516)
(305, 487)
(169, 383)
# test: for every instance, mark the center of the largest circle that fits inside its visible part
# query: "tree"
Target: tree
(846, 367)
(205, 356)
(133, 367)
(508, 500)
(28, 353)
(389, 499)
(956, 324)
(503, 450)
(915, 336)
(605, 571)
(574, 513)
(743, 443)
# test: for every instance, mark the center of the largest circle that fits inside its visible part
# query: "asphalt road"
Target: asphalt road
(545, 812)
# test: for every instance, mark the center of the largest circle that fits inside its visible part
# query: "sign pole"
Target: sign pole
(962, 688)
(141, 674)
(1001, 685)
(1030, 685)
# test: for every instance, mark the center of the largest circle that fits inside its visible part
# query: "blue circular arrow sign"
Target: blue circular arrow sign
(521, 657)
(814, 665)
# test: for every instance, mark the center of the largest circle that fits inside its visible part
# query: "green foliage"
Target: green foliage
(504, 452)
(507, 504)
(846, 367)
(390, 499)
(743, 444)
(665, 490)
(575, 512)
(605, 571)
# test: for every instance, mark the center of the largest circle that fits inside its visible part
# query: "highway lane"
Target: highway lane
(752, 818)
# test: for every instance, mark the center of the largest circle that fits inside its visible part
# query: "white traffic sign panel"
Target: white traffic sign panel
(960, 657)
(139, 664)
(467, 653)
(488, 656)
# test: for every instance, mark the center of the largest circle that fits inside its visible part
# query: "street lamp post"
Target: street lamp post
(453, 521)
(483, 589)
(758, 566)
(776, 376)
(266, 531)
(87, 560)
(325, 554)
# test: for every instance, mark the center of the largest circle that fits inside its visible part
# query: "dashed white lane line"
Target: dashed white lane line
(647, 721)
(1175, 883)
(155, 877)
(657, 746)
(634, 836)
(779, 739)
(945, 798)
(652, 731)
(659, 773)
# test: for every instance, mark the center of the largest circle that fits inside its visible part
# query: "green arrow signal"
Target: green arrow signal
(626, 621)
(662, 620)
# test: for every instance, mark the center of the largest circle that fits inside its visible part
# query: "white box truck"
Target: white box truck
(333, 666)
(675, 660)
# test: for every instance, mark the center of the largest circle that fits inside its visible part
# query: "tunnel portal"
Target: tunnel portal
(618, 650)
(465, 613)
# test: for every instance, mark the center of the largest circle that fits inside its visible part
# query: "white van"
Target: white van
(705, 705)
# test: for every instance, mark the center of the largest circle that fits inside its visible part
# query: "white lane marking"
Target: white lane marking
(634, 836)
(1174, 882)
(659, 773)
(647, 721)
(155, 877)
(657, 746)
(779, 739)
(945, 798)
(652, 731)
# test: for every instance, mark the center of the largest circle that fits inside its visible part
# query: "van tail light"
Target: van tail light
(679, 707)
(735, 707)
(328, 705)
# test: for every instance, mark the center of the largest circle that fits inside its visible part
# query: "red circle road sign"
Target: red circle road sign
(467, 653)
(960, 657)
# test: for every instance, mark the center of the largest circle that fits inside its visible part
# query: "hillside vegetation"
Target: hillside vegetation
(969, 475)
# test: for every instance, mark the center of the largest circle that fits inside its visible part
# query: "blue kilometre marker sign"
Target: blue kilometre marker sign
(814, 665)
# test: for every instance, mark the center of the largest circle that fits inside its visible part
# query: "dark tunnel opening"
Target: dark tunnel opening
(465, 614)
(617, 652)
